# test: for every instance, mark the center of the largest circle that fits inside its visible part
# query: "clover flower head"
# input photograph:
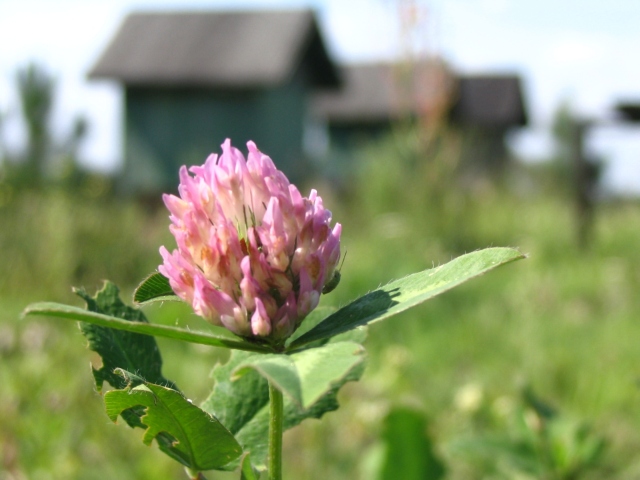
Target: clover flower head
(253, 254)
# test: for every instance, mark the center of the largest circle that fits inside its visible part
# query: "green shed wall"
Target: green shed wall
(169, 127)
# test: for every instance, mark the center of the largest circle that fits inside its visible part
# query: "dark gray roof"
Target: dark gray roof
(224, 49)
(489, 101)
(630, 111)
(368, 94)
(381, 92)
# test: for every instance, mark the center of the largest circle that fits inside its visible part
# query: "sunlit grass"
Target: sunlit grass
(564, 322)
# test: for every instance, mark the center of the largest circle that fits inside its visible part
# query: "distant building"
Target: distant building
(193, 79)
(375, 96)
(486, 108)
(628, 111)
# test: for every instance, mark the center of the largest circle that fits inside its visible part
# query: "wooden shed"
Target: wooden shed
(486, 108)
(375, 96)
(193, 79)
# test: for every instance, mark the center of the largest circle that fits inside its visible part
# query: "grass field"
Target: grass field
(564, 323)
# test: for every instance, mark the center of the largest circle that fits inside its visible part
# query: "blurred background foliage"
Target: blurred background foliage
(530, 372)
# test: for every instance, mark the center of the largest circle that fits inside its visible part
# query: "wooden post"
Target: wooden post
(585, 179)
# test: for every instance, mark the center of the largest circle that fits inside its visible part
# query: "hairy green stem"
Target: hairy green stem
(275, 432)
(194, 475)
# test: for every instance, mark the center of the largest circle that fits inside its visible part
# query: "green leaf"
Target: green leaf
(253, 436)
(278, 369)
(314, 318)
(227, 340)
(305, 376)
(243, 405)
(407, 292)
(154, 288)
(502, 452)
(199, 441)
(121, 349)
(409, 452)
(235, 403)
(247, 472)
(357, 335)
(321, 368)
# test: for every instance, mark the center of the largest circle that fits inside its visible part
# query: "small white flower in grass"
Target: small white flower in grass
(469, 398)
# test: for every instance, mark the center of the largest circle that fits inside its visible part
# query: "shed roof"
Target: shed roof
(382, 92)
(489, 100)
(378, 92)
(630, 111)
(223, 49)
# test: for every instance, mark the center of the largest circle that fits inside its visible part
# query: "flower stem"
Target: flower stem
(275, 433)
(194, 475)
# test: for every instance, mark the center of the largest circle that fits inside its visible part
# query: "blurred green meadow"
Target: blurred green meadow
(529, 372)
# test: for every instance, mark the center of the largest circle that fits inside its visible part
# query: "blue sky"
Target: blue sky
(583, 51)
